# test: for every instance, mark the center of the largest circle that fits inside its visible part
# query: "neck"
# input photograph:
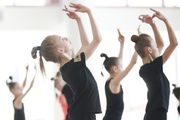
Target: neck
(147, 59)
(112, 75)
(66, 58)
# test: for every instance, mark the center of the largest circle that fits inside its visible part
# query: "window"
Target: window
(142, 3)
(172, 3)
(109, 3)
(136, 3)
(29, 2)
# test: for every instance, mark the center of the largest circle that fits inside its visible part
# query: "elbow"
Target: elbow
(175, 44)
(98, 38)
(135, 62)
(161, 46)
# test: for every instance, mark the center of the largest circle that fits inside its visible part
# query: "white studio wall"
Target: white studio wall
(21, 28)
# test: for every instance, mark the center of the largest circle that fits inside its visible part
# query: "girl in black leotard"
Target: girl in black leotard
(17, 91)
(58, 49)
(152, 69)
(113, 88)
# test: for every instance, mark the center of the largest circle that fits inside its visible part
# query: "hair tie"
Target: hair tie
(38, 47)
(40, 55)
(102, 71)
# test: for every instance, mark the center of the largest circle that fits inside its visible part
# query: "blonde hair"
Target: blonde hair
(46, 50)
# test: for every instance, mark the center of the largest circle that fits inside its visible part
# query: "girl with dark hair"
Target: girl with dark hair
(152, 69)
(113, 88)
(17, 91)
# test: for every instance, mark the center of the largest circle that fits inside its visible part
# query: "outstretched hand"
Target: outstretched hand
(120, 37)
(138, 29)
(79, 7)
(158, 15)
(146, 18)
(27, 67)
(71, 13)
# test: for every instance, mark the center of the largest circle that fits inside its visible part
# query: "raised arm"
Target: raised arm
(25, 79)
(20, 97)
(138, 30)
(96, 34)
(117, 79)
(159, 41)
(121, 41)
(172, 37)
(84, 39)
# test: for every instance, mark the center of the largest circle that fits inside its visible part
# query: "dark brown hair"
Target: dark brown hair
(141, 41)
(176, 92)
(109, 61)
(10, 84)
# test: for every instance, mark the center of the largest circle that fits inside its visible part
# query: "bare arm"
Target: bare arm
(159, 41)
(84, 39)
(172, 37)
(25, 79)
(83, 36)
(121, 41)
(20, 97)
(89, 50)
(158, 38)
(117, 79)
(173, 42)
(138, 30)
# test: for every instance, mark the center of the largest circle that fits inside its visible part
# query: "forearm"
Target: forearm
(172, 36)
(158, 38)
(134, 58)
(25, 79)
(83, 36)
(121, 51)
(95, 31)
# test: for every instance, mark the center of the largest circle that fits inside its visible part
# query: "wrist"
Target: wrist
(122, 44)
(78, 19)
(165, 21)
(88, 11)
(152, 24)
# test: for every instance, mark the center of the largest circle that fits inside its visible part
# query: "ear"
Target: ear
(60, 50)
(114, 68)
(148, 50)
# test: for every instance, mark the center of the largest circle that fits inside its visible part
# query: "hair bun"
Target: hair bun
(134, 38)
(104, 55)
(11, 78)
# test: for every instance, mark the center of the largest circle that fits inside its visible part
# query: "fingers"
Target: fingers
(141, 17)
(154, 10)
(144, 18)
(119, 33)
(154, 15)
(74, 5)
